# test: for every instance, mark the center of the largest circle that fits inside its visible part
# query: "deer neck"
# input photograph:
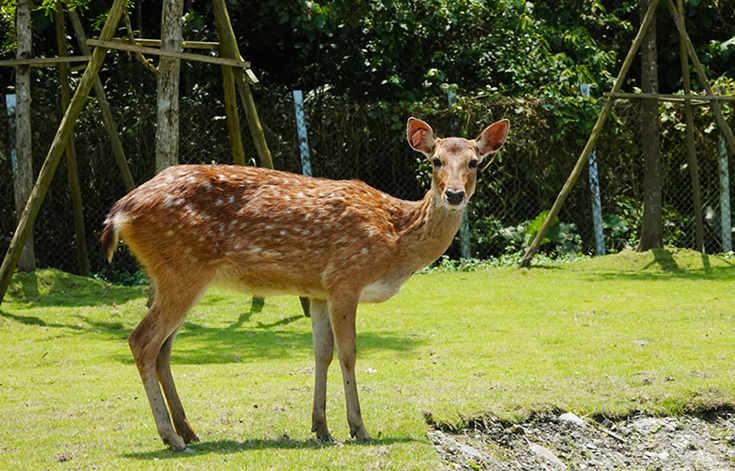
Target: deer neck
(429, 231)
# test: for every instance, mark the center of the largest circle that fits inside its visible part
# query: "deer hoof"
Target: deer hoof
(361, 437)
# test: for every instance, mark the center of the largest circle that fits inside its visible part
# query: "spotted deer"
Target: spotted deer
(268, 232)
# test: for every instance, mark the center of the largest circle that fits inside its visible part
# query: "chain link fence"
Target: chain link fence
(367, 142)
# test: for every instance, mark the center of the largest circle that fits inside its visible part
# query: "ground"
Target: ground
(567, 442)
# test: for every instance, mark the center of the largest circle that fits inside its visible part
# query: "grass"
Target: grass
(628, 332)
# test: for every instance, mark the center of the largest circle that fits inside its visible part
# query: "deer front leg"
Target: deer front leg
(323, 351)
(342, 313)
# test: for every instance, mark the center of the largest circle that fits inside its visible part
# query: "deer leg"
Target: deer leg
(342, 314)
(323, 352)
(163, 369)
(163, 319)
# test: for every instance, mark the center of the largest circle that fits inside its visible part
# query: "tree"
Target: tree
(167, 131)
(652, 231)
(24, 176)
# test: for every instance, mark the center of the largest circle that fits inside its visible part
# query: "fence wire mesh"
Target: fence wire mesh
(367, 142)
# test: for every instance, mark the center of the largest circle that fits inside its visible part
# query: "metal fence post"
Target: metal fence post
(726, 222)
(465, 247)
(584, 89)
(298, 101)
(10, 106)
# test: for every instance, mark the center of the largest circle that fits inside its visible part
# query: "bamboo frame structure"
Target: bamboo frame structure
(25, 226)
(89, 80)
(614, 95)
(71, 155)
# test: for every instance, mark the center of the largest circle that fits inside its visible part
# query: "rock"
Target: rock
(473, 452)
(546, 454)
(518, 429)
(570, 418)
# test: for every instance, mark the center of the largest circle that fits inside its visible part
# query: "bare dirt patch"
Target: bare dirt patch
(567, 442)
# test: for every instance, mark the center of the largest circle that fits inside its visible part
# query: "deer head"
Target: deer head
(455, 159)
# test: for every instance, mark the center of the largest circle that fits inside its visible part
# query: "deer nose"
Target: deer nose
(454, 196)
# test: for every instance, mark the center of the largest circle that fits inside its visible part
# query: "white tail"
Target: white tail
(269, 232)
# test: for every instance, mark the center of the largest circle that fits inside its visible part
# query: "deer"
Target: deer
(269, 232)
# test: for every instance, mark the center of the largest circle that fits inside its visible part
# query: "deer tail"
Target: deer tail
(110, 236)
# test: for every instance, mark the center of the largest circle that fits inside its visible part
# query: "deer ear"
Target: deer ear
(420, 136)
(492, 138)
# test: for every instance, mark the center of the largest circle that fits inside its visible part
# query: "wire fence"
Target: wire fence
(367, 142)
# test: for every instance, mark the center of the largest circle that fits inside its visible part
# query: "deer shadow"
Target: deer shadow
(224, 447)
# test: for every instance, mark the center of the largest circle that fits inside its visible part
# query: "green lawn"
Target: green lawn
(628, 332)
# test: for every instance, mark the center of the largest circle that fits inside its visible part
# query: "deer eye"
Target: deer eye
(473, 163)
(437, 162)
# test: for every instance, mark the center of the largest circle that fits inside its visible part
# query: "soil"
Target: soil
(568, 442)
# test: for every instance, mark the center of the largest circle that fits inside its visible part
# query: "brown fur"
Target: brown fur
(269, 232)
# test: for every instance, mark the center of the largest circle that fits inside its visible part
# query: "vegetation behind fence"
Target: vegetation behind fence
(367, 142)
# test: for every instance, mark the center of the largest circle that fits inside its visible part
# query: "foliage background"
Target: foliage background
(365, 67)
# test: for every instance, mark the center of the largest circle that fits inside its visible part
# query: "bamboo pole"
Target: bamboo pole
(71, 156)
(229, 49)
(596, 131)
(163, 52)
(721, 123)
(117, 148)
(45, 61)
(695, 99)
(233, 119)
(25, 226)
(691, 150)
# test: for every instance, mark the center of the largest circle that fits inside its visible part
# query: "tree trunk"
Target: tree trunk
(24, 177)
(167, 131)
(652, 231)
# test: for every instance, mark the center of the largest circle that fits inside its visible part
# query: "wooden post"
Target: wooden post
(721, 123)
(691, 150)
(596, 131)
(117, 148)
(167, 87)
(25, 226)
(229, 49)
(71, 157)
(23, 182)
(233, 120)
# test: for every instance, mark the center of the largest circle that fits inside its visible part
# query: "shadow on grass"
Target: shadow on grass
(197, 345)
(112, 329)
(223, 447)
(47, 287)
(665, 266)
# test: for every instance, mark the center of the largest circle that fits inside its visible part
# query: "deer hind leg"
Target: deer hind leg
(147, 341)
(163, 369)
(342, 314)
(323, 351)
